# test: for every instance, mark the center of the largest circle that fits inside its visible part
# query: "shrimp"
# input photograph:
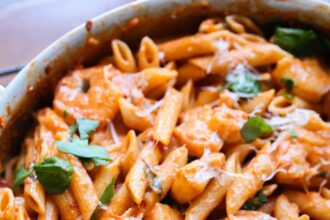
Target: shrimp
(88, 93)
(195, 133)
(292, 157)
(51, 128)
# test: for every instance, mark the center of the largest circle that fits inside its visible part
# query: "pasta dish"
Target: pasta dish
(227, 123)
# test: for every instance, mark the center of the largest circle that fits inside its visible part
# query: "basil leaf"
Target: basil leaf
(73, 128)
(54, 174)
(255, 127)
(85, 127)
(20, 175)
(153, 182)
(293, 134)
(299, 42)
(100, 162)
(108, 192)
(65, 113)
(287, 96)
(80, 148)
(255, 202)
(242, 80)
(287, 83)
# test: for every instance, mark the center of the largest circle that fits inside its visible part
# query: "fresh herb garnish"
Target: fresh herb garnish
(85, 127)
(293, 134)
(255, 202)
(287, 83)
(81, 148)
(242, 80)
(255, 127)
(54, 174)
(153, 182)
(287, 95)
(105, 198)
(20, 175)
(72, 128)
(65, 113)
(108, 192)
(299, 42)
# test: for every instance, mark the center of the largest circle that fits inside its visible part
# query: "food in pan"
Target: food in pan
(227, 123)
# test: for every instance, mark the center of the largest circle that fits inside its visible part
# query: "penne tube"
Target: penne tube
(251, 180)
(167, 116)
(51, 212)
(148, 54)
(215, 191)
(119, 203)
(104, 176)
(136, 180)
(67, 206)
(34, 195)
(163, 212)
(192, 179)
(7, 203)
(312, 203)
(187, 92)
(166, 174)
(82, 188)
(131, 144)
(123, 56)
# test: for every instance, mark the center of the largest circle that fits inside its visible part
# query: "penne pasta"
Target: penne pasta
(164, 125)
(222, 124)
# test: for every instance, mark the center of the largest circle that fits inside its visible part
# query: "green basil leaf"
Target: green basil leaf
(256, 201)
(20, 175)
(293, 134)
(287, 83)
(80, 148)
(287, 95)
(100, 162)
(242, 80)
(299, 42)
(85, 127)
(73, 128)
(54, 174)
(255, 127)
(65, 113)
(108, 192)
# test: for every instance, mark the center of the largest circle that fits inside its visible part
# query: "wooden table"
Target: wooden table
(29, 26)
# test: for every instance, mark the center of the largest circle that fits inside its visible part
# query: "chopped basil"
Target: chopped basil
(81, 148)
(105, 198)
(293, 134)
(73, 128)
(255, 127)
(85, 127)
(299, 42)
(54, 174)
(242, 80)
(255, 202)
(287, 83)
(65, 113)
(287, 95)
(20, 175)
(108, 192)
(153, 182)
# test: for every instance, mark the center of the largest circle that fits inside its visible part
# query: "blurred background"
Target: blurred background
(29, 26)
